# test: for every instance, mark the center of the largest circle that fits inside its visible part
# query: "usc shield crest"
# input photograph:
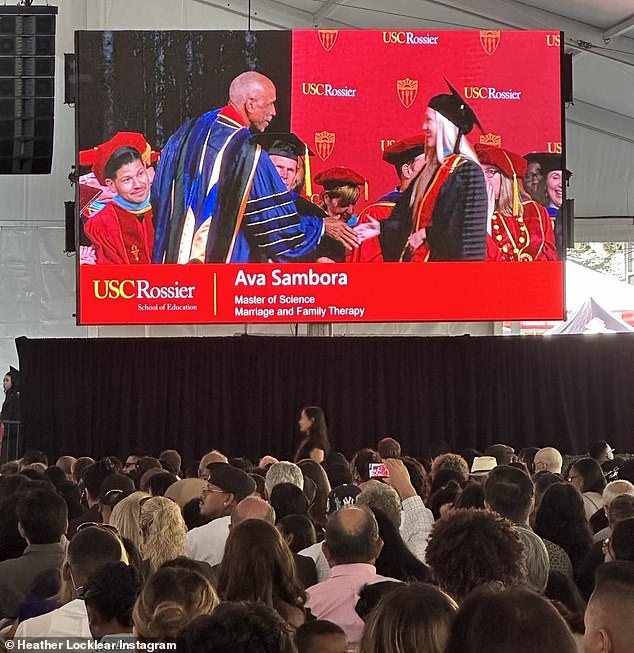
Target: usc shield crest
(491, 139)
(489, 40)
(327, 38)
(324, 144)
(407, 90)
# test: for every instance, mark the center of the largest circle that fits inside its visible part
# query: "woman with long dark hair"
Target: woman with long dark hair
(560, 519)
(587, 476)
(315, 445)
(395, 559)
(316, 473)
(258, 566)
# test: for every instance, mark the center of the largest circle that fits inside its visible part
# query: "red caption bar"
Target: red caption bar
(394, 292)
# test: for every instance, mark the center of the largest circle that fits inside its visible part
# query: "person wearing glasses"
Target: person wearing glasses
(548, 459)
(226, 487)
(586, 475)
(519, 227)
(601, 451)
(534, 180)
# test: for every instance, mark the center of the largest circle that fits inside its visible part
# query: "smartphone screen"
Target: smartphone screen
(378, 470)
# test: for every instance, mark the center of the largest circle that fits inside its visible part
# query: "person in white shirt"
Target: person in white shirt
(90, 549)
(226, 487)
(610, 492)
(416, 520)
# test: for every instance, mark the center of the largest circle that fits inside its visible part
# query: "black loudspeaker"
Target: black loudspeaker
(69, 224)
(70, 78)
(566, 79)
(27, 89)
(568, 215)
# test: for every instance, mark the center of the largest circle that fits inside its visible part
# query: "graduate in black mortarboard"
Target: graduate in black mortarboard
(10, 414)
(550, 168)
(446, 217)
(11, 386)
(291, 156)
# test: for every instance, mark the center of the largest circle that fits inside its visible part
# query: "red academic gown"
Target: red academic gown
(120, 236)
(529, 238)
(424, 217)
(369, 251)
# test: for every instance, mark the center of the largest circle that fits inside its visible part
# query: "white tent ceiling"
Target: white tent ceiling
(600, 125)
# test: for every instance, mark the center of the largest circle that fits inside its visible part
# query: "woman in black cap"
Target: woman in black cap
(449, 199)
(445, 219)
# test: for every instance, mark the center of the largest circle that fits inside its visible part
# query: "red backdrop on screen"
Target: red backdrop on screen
(353, 93)
(386, 79)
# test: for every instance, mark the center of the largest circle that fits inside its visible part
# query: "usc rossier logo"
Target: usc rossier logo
(407, 90)
(492, 139)
(409, 38)
(328, 90)
(554, 147)
(553, 40)
(490, 93)
(139, 289)
(328, 38)
(324, 144)
(490, 39)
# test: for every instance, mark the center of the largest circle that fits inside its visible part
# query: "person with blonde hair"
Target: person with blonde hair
(163, 532)
(445, 217)
(411, 618)
(171, 599)
(519, 228)
(125, 517)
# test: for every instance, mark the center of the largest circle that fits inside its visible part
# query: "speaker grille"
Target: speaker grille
(27, 89)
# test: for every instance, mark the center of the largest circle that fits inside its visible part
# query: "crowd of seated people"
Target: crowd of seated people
(463, 552)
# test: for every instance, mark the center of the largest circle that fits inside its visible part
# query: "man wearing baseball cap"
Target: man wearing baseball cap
(226, 487)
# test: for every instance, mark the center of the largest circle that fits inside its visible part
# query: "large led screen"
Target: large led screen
(324, 175)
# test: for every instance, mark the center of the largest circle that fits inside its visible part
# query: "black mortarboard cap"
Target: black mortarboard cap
(455, 108)
(284, 144)
(548, 161)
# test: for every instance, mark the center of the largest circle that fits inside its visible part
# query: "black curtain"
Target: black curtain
(243, 394)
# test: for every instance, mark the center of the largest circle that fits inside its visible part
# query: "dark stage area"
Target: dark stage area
(243, 394)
